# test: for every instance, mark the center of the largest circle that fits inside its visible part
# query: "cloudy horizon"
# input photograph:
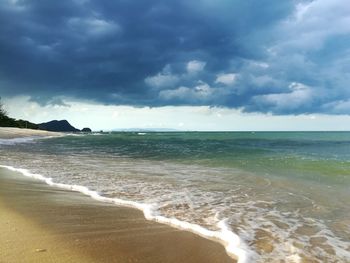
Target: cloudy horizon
(171, 62)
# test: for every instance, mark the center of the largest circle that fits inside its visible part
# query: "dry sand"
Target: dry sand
(11, 133)
(39, 223)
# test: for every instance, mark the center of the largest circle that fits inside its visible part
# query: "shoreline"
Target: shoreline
(8, 133)
(225, 238)
(73, 215)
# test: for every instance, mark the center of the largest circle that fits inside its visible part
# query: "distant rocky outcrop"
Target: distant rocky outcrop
(57, 126)
(86, 130)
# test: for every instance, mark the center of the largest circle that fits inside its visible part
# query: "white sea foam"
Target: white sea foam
(96, 134)
(234, 245)
(76, 134)
(28, 139)
(17, 140)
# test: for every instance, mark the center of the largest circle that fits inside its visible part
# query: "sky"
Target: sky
(180, 64)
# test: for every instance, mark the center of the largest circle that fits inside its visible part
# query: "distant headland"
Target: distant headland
(57, 126)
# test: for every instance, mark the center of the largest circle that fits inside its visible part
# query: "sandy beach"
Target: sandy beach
(40, 223)
(11, 133)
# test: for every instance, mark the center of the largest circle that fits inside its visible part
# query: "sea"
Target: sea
(265, 196)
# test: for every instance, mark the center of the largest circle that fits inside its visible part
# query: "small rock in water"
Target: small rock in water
(40, 250)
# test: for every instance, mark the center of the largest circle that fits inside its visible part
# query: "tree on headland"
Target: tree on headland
(3, 113)
(6, 121)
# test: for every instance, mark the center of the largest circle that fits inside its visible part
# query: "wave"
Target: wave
(234, 245)
(29, 139)
(18, 140)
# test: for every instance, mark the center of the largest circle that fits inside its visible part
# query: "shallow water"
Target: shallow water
(284, 194)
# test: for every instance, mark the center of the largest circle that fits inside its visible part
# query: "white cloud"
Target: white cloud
(313, 23)
(299, 95)
(162, 80)
(227, 79)
(93, 26)
(263, 80)
(16, 5)
(200, 93)
(338, 107)
(204, 89)
(166, 79)
(12, 2)
(179, 93)
(259, 64)
(195, 66)
(81, 2)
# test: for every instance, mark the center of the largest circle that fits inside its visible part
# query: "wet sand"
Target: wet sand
(11, 133)
(39, 223)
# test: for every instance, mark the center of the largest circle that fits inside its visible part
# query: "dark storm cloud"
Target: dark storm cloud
(284, 57)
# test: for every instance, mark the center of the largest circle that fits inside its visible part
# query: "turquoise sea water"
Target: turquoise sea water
(285, 194)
